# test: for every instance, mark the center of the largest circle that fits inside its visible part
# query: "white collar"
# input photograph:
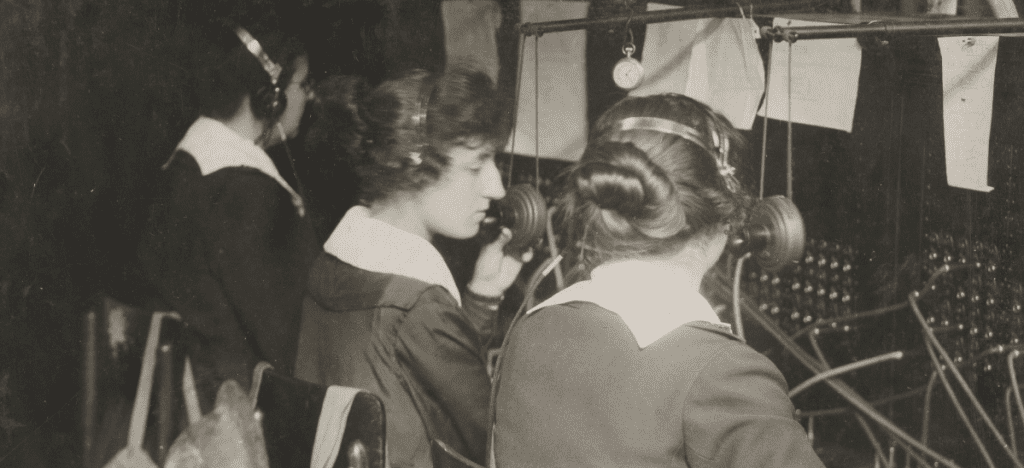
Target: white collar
(648, 297)
(214, 146)
(374, 245)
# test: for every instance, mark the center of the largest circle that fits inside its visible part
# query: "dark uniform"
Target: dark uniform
(407, 340)
(656, 382)
(230, 251)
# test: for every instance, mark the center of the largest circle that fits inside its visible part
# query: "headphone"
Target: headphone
(269, 102)
(774, 231)
(419, 121)
(720, 151)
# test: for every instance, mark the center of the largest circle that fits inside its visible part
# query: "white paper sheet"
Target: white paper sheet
(968, 80)
(825, 78)
(562, 97)
(714, 61)
(470, 28)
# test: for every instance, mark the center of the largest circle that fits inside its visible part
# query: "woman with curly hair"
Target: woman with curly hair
(382, 310)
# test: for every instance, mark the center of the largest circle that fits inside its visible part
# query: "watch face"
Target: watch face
(628, 73)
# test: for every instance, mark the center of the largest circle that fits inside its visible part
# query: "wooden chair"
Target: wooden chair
(291, 412)
(113, 340)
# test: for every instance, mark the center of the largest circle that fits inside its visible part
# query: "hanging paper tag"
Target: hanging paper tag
(968, 81)
(712, 60)
(825, 76)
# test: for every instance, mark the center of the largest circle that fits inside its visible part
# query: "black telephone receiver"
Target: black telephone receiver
(524, 212)
(774, 233)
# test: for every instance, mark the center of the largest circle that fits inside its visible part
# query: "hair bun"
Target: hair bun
(630, 190)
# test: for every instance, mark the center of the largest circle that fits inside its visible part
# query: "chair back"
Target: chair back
(114, 336)
(291, 412)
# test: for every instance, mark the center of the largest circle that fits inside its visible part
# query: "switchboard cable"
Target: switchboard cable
(538, 275)
(1015, 386)
(816, 347)
(1010, 431)
(910, 453)
(536, 111)
(927, 404)
(789, 122)
(818, 413)
(1009, 419)
(879, 454)
(961, 412)
(848, 393)
(531, 288)
(837, 371)
(738, 319)
(737, 315)
(549, 231)
(933, 378)
(822, 325)
(931, 339)
(860, 419)
(515, 110)
(764, 120)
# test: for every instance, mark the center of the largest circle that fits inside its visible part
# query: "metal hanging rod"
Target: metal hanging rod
(922, 28)
(659, 16)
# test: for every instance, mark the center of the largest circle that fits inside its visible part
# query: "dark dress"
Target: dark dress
(407, 340)
(657, 382)
(230, 252)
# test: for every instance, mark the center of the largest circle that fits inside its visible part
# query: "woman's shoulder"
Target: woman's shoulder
(584, 321)
(183, 168)
(583, 312)
(721, 356)
(337, 285)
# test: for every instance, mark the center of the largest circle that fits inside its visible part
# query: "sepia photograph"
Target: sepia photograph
(511, 233)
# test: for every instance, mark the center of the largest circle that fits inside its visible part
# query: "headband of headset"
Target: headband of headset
(688, 133)
(419, 121)
(254, 47)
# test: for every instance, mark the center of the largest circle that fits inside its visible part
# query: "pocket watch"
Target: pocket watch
(628, 72)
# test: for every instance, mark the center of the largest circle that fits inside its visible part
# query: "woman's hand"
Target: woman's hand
(495, 271)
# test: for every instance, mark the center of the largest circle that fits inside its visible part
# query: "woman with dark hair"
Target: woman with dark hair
(228, 245)
(631, 366)
(382, 311)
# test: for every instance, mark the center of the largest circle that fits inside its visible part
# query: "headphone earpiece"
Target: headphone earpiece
(270, 102)
(774, 233)
(524, 212)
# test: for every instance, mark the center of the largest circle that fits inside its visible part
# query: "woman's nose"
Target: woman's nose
(492, 186)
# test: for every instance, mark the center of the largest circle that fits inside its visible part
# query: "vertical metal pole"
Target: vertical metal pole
(89, 390)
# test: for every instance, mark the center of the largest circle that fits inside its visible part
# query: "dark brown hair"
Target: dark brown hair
(460, 106)
(227, 71)
(639, 192)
